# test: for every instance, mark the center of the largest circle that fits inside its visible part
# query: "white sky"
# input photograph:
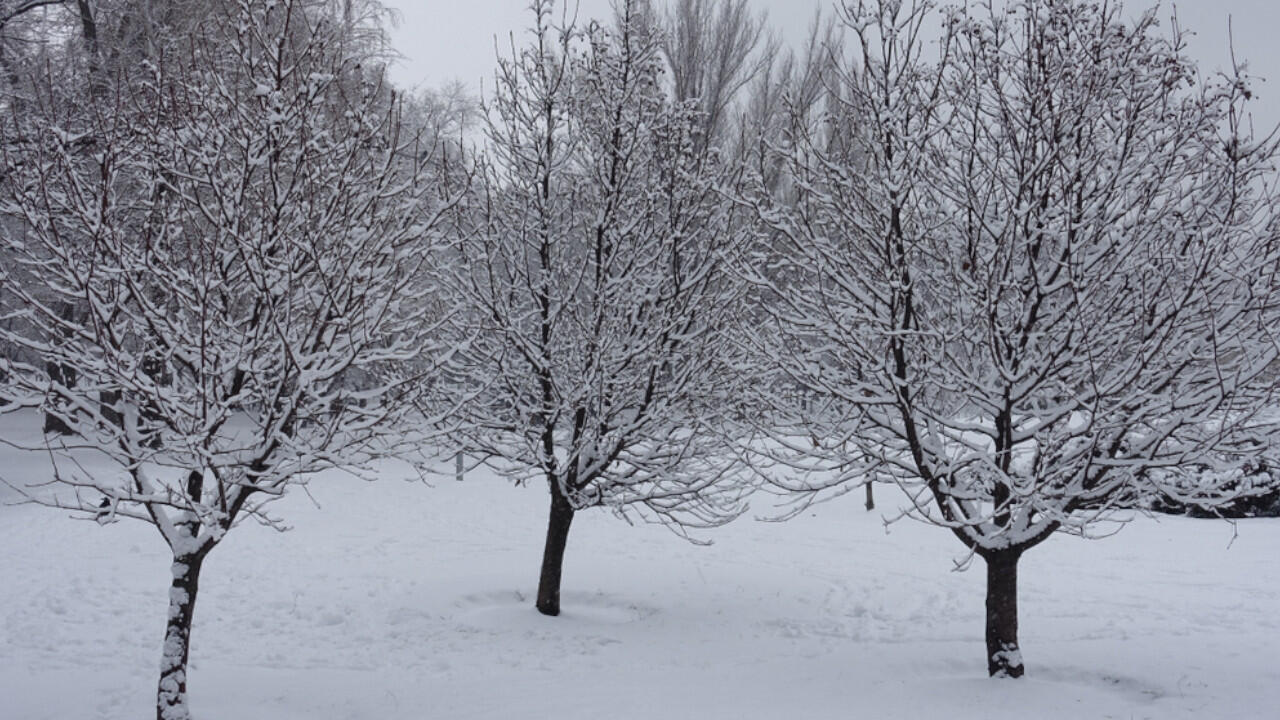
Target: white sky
(444, 40)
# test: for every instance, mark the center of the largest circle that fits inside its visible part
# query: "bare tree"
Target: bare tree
(445, 113)
(1041, 286)
(245, 234)
(713, 50)
(790, 88)
(594, 273)
(95, 44)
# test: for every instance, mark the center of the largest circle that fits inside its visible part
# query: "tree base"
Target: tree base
(1006, 663)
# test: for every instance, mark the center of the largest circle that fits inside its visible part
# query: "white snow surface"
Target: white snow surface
(395, 599)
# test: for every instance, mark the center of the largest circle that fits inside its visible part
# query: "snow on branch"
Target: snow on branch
(1036, 277)
(594, 273)
(230, 288)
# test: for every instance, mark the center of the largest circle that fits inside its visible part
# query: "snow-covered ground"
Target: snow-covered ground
(395, 599)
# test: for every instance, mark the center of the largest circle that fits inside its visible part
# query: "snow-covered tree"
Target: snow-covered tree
(1036, 287)
(243, 240)
(594, 273)
(68, 53)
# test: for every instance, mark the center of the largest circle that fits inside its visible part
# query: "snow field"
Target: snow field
(395, 599)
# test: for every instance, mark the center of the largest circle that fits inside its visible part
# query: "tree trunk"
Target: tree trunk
(62, 375)
(152, 419)
(1004, 659)
(65, 376)
(89, 34)
(871, 499)
(109, 400)
(171, 697)
(553, 554)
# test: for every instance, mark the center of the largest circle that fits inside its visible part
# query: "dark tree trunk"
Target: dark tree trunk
(1004, 659)
(109, 400)
(553, 553)
(171, 696)
(11, 74)
(152, 420)
(65, 376)
(89, 34)
(871, 499)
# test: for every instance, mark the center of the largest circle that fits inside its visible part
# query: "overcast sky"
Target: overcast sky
(444, 40)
